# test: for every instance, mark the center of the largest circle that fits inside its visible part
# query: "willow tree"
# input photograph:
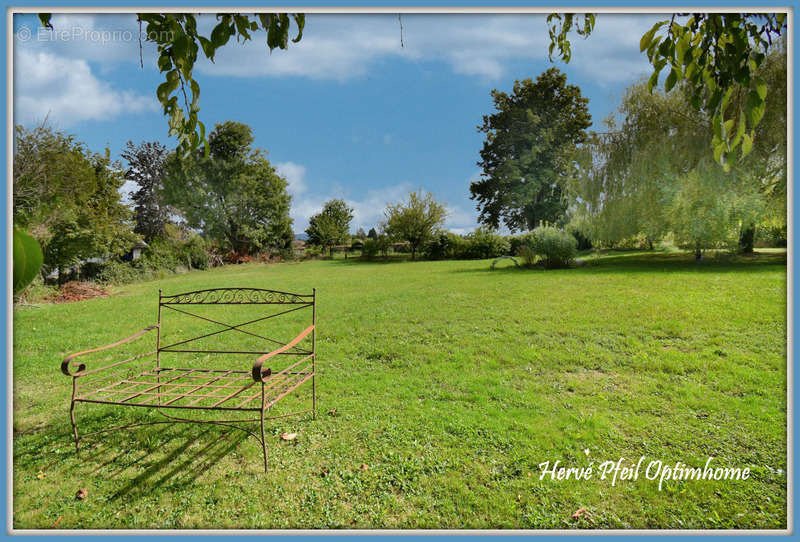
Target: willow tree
(625, 183)
(651, 172)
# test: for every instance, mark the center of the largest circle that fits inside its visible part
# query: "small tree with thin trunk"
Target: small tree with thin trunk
(416, 220)
(331, 226)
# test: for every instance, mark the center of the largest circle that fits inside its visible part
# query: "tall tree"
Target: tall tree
(529, 150)
(416, 220)
(331, 226)
(52, 176)
(146, 169)
(101, 227)
(233, 195)
(69, 198)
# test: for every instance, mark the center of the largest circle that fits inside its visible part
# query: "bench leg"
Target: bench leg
(74, 426)
(263, 434)
(72, 414)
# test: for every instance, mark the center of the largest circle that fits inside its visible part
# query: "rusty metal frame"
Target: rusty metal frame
(205, 389)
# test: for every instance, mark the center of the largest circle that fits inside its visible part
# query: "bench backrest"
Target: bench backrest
(208, 342)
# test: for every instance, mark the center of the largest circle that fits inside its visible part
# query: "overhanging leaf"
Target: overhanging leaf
(27, 259)
(672, 78)
(747, 144)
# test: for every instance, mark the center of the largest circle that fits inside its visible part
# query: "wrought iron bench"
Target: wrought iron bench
(205, 381)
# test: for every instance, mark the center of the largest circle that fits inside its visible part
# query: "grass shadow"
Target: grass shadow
(377, 261)
(622, 262)
(178, 465)
(660, 262)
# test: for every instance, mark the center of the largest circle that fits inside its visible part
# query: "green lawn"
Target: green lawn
(452, 383)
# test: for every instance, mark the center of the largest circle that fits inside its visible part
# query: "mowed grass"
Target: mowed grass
(451, 383)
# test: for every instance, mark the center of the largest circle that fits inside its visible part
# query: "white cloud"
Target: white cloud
(342, 47)
(459, 220)
(294, 174)
(66, 91)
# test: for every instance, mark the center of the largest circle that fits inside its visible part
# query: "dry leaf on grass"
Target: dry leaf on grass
(41, 475)
(578, 513)
(332, 412)
(56, 522)
(82, 493)
(288, 436)
(364, 466)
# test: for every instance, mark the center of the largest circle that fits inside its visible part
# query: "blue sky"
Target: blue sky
(347, 112)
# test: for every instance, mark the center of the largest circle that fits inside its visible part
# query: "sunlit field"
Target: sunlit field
(442, 386)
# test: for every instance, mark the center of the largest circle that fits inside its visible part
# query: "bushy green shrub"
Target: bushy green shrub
(553, 247)
(770, 235)
(486, 243)
(457, 246)
(116, 271)
(161, 254)
(195, 252)
(178, 249)
(527, 254)
(35, 292)
(515, 243)
(580, 229)
(583, 242)
(438, 248)
(370, 249)
(637, 242)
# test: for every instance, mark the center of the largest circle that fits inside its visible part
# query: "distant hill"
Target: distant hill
(301, 236)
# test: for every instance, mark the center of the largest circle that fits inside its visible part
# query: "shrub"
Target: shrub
(437, 249)
(527, 254)
(580, 229)
(35, 292)
(370, 249)
(770, 235)
(554, 247)
(195, 252)
(486, 243)
(457, 246)
(515, 243)
(639, 241)
(119, 272)
(583, 242)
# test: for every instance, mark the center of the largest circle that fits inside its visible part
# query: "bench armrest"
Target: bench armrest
(258, 376)
(65, 365)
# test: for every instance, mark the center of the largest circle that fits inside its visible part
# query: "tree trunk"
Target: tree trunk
(698, 254)
(331, 251)
(747, 238)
